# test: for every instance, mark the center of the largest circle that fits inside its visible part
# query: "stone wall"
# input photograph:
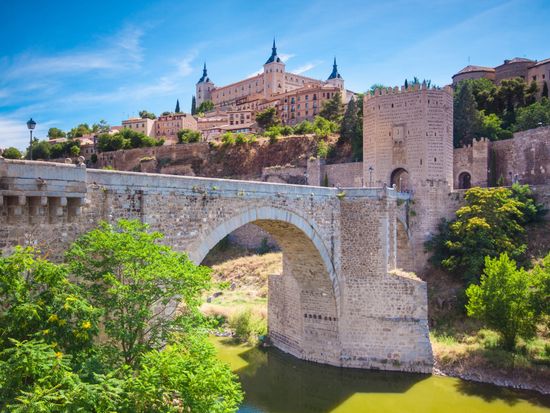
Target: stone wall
(338, 300)
(526, 156)
(245, 161)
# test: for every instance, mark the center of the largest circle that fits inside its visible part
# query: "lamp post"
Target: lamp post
(31, 124)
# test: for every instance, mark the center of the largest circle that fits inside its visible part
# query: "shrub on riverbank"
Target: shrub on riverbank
(248, 327)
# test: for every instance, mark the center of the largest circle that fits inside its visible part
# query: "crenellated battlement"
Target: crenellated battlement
(403, 90)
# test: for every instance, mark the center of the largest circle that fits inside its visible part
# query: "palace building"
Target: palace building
(295, 97)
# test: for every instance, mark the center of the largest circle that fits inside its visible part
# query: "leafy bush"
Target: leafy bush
(189, 136)
(490, 223)
(322, 149)
(12, 153)
(228, 138)
(505, 300)
(151, 355)
(246, 327)
(303, 128)
(240, 139)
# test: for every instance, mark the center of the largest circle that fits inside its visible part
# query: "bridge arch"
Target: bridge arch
(304, 301)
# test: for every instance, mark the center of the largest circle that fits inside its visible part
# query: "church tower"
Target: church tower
(335, 79)
(274, 74)
(204, 87)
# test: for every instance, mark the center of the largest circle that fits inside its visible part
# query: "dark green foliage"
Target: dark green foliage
(205, 106)
(333, 108)
(147, 358)
(40, 150)
(177, 110)
(188, 136)
(416, 82)
(143, 114)
(193, 105)
(491, 222)
(267, 118)
(466, 116)
(65, 149)
(125, 139)
(80, 130)
(12, 153)
(376, 86)
(264, 247)
(351, 129)
(544, 92)
(533, 116)
(54, 133)
(507, 299)
(93, 158)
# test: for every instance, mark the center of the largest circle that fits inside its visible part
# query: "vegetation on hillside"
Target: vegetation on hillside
(484, 109)
(102, 333)
(491, 222)
(125, 139)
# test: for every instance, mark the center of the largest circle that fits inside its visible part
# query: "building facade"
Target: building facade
(274, 87)
(168, 126)
(527, 69)
(142, 125)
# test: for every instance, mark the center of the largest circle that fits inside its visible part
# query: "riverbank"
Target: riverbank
(461, 348)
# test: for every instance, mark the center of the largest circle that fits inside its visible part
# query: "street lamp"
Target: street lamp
(31, 124)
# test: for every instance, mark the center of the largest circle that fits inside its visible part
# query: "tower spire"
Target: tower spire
(204, 77)
(334, 74)
(273, 57)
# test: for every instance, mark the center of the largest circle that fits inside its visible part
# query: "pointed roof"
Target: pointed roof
(334, 74)
(273, 57)
(204, 78)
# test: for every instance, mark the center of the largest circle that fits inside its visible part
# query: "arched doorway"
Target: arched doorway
(464, 180)
(400, 178)
(303, 301)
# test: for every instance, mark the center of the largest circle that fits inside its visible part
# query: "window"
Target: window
(534, 78)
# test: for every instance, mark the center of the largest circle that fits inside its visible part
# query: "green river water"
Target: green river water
(277, 383)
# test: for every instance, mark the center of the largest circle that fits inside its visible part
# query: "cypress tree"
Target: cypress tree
(406, 84)
(177, 106)
(349, 122)
(545, 90)
(466, 115)
(193, 105)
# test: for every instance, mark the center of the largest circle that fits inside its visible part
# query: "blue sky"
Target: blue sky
(66, 62)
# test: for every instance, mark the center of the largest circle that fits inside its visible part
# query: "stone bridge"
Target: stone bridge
(340, 300)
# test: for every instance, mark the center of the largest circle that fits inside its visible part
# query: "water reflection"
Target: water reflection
(277, 383)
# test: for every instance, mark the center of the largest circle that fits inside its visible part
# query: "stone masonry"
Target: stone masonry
(340, 299)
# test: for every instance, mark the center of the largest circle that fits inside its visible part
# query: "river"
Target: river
(278, 383)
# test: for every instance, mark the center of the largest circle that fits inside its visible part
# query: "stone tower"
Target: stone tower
(408, 143)
(204, 87)
(274, 74)
(335, 79)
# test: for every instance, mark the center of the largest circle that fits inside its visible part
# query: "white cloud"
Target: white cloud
(14, 132)
(119, 52)
(256, 73)
(286, 56)
(304, 68)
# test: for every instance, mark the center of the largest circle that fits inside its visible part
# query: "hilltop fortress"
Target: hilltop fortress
(295, 97)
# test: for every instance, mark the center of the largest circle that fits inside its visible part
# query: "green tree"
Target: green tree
(267, 118)
(144, 114)
(351, 129)
(491, 222)
(504, 300)
(54, 133)
(134, 279)
(75, 150)
(107, 142)
(177, 110)
(333, 108)
(80, 130)
(376, 86)
(12, 153)
(544, 92)
(40, 150)
(205, 106)
(193, 105)
(101, 127)
(188, 136)
(533, 116)
(466, 116)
